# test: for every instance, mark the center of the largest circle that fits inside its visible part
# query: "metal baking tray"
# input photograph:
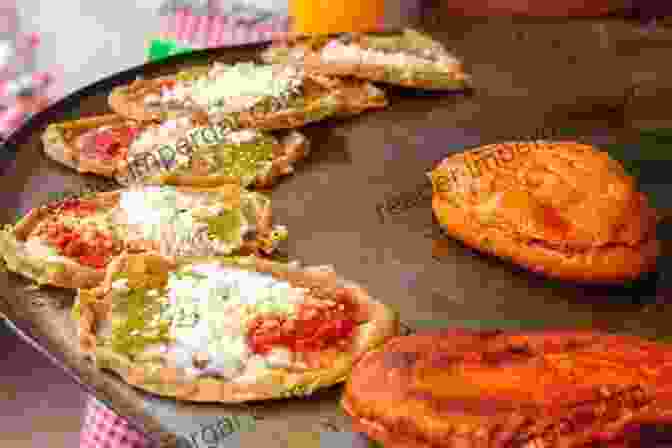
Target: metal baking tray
(361, 203)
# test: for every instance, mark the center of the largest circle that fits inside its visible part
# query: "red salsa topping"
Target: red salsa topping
(76, 207)
(111, 143)
(169, 83)
(316, 326)
(89, 246)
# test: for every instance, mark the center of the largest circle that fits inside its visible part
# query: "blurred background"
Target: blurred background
(79, 42)
(93, 39)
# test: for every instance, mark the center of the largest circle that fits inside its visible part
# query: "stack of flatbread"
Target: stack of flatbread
(176, 288)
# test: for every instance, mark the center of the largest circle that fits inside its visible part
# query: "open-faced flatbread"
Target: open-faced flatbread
(178, 151)
(228, 330)
(407, 58)
(69, 243)
(246, 95)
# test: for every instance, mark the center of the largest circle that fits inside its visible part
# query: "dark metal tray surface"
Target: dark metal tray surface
(361, 203)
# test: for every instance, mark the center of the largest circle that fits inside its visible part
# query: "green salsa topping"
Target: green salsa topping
(76, 311)
(408, 41)
(242, 161)
(184, 274)
(327, 107)
(225, 226)
(137, 322)
(192, 74)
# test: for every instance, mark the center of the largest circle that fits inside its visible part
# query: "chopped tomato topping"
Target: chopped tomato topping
(127, 135)
(77, 207)
(110, 143)
(318, 325)
(96, 261)
(105, 139)
(170, 83)
(89, 246)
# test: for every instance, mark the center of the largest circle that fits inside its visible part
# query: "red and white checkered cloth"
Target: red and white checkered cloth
(23, 90)
(197, 31)
(104, 429)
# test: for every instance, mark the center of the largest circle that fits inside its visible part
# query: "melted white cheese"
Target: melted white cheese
(165, 134)
(37, 248)
(225, 299)
(241, 86)
(336, 52)
(180, 93)
(243, 136)
(165, 215)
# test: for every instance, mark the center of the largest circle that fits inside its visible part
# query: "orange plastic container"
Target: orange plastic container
(336, 16)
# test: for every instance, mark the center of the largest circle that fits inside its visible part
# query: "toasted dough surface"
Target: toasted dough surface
(68, 273)
(167, 380)
(335, 98)
(287, 150)
(127, 101)
(498, 389)
(55, 271)
(563, 209)
(386, 74)
(58, 142)
(305, 51)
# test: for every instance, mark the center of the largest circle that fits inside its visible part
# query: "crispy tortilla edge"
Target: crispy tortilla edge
(167, 381)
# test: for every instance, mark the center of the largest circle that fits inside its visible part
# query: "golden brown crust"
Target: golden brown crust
(299, 49)
(379, 73)
(489, 388)
(58, 142)
(561, 209)
(169, 381)
(128, 101)
(290, 149)
(59, 271)
(360, 96)
(67, 273)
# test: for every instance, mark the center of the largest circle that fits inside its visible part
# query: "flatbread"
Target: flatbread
(151, 155)
(492, 388)
(158, 375)
(408, 59)
(23, 258)
(562, 209)
(321, 98)
(26, 249)
(60, 143)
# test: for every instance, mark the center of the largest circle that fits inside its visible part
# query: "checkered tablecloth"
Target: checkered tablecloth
(24, 90)
(103, 428)
(191, 24)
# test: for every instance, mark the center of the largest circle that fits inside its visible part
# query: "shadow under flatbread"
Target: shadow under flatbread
(405, 93)
(635, 293)
(326, 147)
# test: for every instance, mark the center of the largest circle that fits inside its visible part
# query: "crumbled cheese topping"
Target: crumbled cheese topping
(337, 52)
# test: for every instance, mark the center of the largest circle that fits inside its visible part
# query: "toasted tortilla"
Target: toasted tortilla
(24, 258)
(58, 142)
(209, 165)
(493, 388)
(306, 51)
(159, 377)
(323, 98)
(157, 165)
(562, 209)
